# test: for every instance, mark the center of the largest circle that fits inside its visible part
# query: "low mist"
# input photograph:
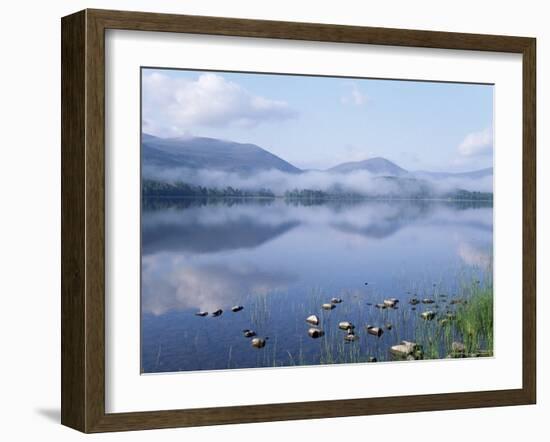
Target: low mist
(360, 182)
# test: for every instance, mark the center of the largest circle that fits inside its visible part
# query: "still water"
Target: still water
(281, 260)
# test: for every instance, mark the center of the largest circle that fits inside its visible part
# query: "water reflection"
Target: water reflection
(209, 226)
(202, 254)
(170, 283)
(207, 231)
(475, 255)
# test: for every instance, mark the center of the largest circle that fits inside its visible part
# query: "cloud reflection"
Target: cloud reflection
(169, 283)
(474, 256)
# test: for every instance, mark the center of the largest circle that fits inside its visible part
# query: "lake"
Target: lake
(282, 259)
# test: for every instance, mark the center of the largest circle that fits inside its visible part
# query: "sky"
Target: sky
(320, 122)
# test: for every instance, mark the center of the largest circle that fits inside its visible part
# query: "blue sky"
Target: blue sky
(319, 122)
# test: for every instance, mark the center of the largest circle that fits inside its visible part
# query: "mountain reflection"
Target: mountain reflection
(209, 226)
(383, 219)
(380, 220)
(197, 237)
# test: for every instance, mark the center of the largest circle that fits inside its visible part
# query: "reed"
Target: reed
(474, 321)
(463, 315)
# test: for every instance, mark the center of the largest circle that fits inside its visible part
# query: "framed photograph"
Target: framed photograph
(269, 220)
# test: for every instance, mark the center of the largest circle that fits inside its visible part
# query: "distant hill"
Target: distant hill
(210, 153)
(216, 154)
(376, 166)
(167, 157)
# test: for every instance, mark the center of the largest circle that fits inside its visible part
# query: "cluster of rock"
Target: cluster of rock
(406, 350)
(219, 312)
(256, 341)
(315, 331)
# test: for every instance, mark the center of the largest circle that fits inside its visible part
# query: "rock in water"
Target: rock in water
(236, 308)
(458, 301)
(313, 320)
(376, 331)
(217, 312)
(350, 337)
(458, 347)
(391, 303)
(258, 342)
(428, 316)
(315, 332)
(407, 350)
(345, 325)
(201, 314)
(336, 300)
(328, 306)
(249, 333)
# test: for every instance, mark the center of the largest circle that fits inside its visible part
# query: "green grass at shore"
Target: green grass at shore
(474, 321)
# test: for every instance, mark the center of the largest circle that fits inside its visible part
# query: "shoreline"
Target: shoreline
(335, 198)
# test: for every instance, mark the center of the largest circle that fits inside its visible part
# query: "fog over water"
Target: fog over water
(279, 182)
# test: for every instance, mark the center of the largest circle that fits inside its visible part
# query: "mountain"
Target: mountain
(171, 167)
(376, 166)
(215, 154)
(210, 153)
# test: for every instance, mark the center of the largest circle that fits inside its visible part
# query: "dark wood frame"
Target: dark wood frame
(83, 219)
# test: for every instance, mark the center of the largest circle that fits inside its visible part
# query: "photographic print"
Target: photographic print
(300, 220)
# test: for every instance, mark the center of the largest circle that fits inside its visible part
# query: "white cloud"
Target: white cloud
(477, 143)
(355, 96)
(173, 105)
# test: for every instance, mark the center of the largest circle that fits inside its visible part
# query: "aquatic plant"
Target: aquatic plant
(474, 321)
